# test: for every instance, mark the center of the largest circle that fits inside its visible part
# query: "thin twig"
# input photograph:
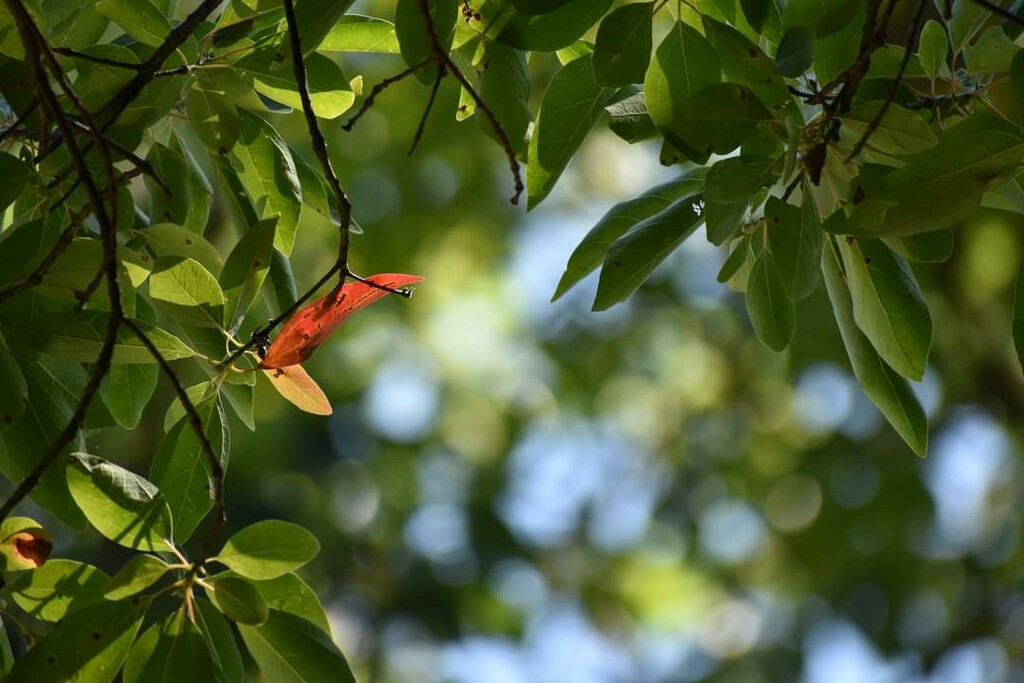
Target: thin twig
(318, 143)
(196, 424)
(116, 105)
(444, 60)
(263, 333)
(418, 135)
(996, 9)
(381, 87)
(68, 52)
(896, 82)
(143, 165)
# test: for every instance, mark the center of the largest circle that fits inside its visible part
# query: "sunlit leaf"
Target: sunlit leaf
(137, 574)
(120, 504)
(268, 549)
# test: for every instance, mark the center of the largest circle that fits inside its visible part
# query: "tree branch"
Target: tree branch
(440, 55)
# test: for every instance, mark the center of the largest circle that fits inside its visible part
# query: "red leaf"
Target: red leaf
(310, 327)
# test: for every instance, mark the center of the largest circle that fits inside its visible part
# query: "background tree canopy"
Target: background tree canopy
(654, 427)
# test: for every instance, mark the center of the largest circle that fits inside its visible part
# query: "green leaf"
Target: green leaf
(723, 219)
(54, 388)
(329, 91)
(289, 649)
(992, 52)
(888, 306)
(900, 131)
(186, 291)
(683, 64)
(736, 260)
(553, 30)
(268, 549)
(570, 108)
(933, 49)
(927, 247)
(629, 119)
(795, 239)
(165, 239)
(16, 175)
(182, 472)
(126, 390)
(79, 336)
(736, 179)
(356, 33)
(616, 222)
(824, 16)
(220, 641)
(886, 389)
(795, 52)
(238, 599)
(269, 177)
(505, 88)
(944, 185)
(90, 645)
(214, 118)
(169, 649)
(635, 255)
(137, 574)
(412, 36)
(756, 11)
(58, 588)
(622, 50)
(289, 593)
(314, 19)
(245, 270)
(282, 281)
(13, 388)
(120, 504)
(171, 168)
(140, 19)
(718, 118)
(769, 308)
(1018, 317)
(745, 63)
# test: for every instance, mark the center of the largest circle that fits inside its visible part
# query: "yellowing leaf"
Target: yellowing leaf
(295, 385)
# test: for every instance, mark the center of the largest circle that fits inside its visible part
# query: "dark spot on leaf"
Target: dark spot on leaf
(96, 635)
(867, 260)
(255, 264)
(618, 264)
(7, 418)
(51, 660)
(168, 216)
(850, 239)
(776, 220)
(33, 547)
(463, 107)
(222, 150)
(753, 53)
(188, 241)
(305, 337)
(743, 95)
(768, 80)
(858, 195)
